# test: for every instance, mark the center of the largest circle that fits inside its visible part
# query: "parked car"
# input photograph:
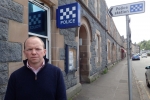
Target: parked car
(135, 57)
(147, 76)
(144, 55)
(138, 54)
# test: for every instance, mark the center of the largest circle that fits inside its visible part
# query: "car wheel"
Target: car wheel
(147, 83)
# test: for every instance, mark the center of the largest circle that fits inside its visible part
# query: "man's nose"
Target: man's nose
(33, 51)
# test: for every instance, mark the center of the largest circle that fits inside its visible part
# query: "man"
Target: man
(37, 79)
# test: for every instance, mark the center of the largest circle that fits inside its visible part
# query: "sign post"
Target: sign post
(128, 58)
(126, 10)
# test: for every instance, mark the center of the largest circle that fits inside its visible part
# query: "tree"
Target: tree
(144, 45)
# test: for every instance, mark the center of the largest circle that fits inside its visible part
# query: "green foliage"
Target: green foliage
(105, 71)
(144, 45)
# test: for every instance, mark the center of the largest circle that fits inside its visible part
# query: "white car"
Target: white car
(144, 55)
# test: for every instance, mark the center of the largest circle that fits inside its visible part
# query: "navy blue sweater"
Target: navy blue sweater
(47, 85)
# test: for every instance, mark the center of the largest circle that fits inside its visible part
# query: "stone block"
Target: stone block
(25, 15)
(17, 7)
(3, 67)
(3, 20)
(55, 54)
(4, 3)
(4, 12)
(61, 64)
(70, 76)
(3, 31)
(62, 54)
(11, 14)
(10, 52)
(74, 81)
(71, 36)
(13, 66)
(3, 78)
(15, 16)
(72, 44)
(68, 85)
(22, 2)
(64, 73)
(2, 90)
(18, 32)
(54, 62)
(72, 29)
(56, 37)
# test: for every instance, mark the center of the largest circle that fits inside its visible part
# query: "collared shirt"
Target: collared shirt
(35, 70)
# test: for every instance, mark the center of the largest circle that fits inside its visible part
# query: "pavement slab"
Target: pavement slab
(110, 86)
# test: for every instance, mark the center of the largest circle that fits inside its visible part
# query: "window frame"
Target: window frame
(97, 9)
(48, 37)
(108, 50)
(98, 48)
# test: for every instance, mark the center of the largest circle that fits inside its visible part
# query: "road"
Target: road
(139, 71)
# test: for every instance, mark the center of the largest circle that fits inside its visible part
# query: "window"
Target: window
(111, 27)
(97, 8)
(108, 51)
(114, 53)
(38, 17)
(108, 23)
(98, 48)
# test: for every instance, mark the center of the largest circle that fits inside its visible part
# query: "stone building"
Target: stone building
(93, 46)
(135, 48)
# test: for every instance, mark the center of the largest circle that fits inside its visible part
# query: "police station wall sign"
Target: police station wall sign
(36, 21)
(68, 16)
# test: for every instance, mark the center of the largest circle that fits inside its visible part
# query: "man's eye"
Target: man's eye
(29, 49)
(38, 49)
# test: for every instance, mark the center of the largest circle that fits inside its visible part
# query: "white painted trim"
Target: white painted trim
(49, 33)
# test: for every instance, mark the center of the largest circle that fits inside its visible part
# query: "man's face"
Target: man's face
(34, 51)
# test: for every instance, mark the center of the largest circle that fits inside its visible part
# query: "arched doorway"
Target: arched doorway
(84, 65)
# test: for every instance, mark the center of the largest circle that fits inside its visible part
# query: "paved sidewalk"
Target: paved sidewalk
(111, 86)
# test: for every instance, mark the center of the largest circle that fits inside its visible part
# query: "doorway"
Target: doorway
(84, 49)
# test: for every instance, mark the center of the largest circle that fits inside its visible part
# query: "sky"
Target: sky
(139, 24)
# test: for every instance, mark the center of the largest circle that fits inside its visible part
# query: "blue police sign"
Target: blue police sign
(36, 21)
(68, 16)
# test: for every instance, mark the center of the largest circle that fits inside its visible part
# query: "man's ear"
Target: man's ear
(44, 52)
(24, 53)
